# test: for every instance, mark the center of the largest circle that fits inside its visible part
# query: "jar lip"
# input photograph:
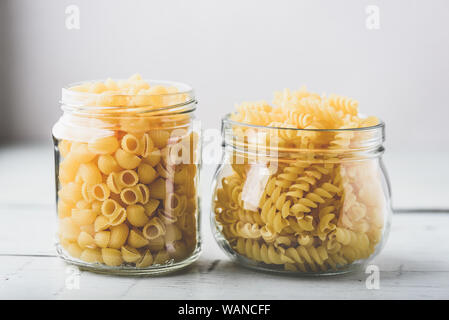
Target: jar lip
(71, 99)
(227, 120)
(187, 89)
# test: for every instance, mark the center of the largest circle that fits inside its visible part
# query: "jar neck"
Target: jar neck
(261, 144)
(88, 116)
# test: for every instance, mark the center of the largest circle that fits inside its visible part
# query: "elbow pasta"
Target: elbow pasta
(308, 208)
(122, 201)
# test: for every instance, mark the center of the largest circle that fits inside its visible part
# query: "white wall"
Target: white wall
(237, 50)
(234, 50)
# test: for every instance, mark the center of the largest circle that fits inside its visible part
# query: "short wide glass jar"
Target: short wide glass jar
(284, 205)
(126, 179)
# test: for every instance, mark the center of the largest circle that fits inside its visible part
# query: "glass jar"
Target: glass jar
(283, 204)
(126, 179)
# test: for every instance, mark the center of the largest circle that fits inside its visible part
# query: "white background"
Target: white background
(231, 51)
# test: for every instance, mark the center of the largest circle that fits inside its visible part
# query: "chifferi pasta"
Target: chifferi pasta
(299, 193)
(122, 201)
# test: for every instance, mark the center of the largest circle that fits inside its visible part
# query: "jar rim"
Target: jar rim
(227, 120)
(368, 142)
(76, 100)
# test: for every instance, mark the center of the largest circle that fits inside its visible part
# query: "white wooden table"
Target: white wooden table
(413, 265)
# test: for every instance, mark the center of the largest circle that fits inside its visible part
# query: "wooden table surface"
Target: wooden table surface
(413, 265)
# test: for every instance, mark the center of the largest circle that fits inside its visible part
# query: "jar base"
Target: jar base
(129, 270)
(260, 266)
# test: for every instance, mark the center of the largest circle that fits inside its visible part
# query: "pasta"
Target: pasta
(154, 229)
(102, 238)
(128, 178)
(85, 240)
(122, 200)
(119, 234)
(100, 192)
(130, 143)
(129, 196)
(146, 172)
(107, 164)
(91, 255)
(136, 239)
(314, 204)
(111, 257)
(136, 215)
(130, 254)
(106, 145)
(83, 217)
(127, 160)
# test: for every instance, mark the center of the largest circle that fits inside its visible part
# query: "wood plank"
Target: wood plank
(33, 277)
(27, 175)
(414, 263)
(411, 266)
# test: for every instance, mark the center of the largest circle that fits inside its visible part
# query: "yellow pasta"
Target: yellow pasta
(153, 158)
(71, 193)
(118, 218)
(85, 240)
(110, 208)
(106, 145)
(64, 209)
(89, 173)
(100, 192)
(80, 152)
(136, 215)
(68, 229)
(158, 189)
(316, 204)
(101, 223)
(130, 143)
(129, 196)
(153, 229)
(172, 234)
(64, 148)
(121, 198)
(136, 239)
(146, 173)
(151, 206)
(146, 145)
(119, 234)
(145, 261)
(102, 238)
(112, 182)
(111, 257)
(91, 255)
(130, 254)
(127, 178)
(68, 170)
(74, 250)
(107, 164)
(159, 138)
(161, 257)
(156, 244)
(127, 160)
(83, 217)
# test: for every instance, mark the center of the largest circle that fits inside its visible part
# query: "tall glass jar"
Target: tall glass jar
(126, 179)
(281, 204)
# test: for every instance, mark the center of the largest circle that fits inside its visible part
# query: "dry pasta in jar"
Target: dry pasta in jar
(127, 176)
(302, 188)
